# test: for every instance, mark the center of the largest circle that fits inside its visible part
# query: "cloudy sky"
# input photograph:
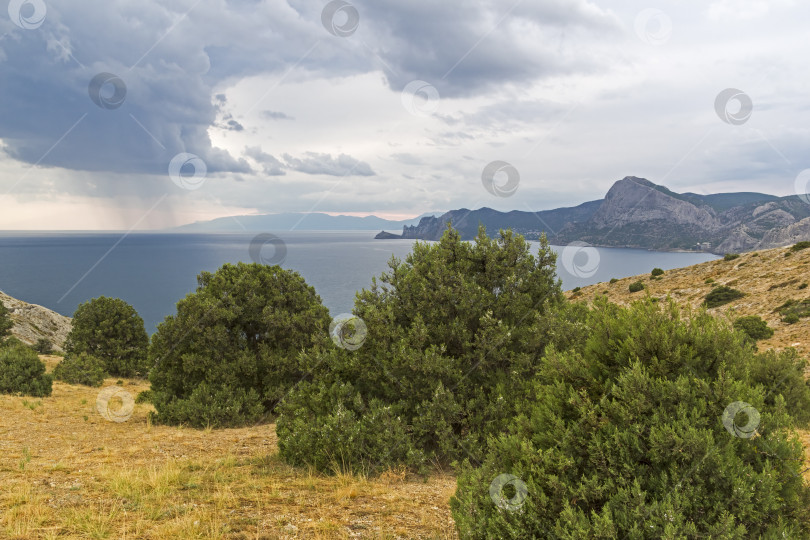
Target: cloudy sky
(142, 114)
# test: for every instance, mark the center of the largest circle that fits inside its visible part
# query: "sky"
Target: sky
(133, 115)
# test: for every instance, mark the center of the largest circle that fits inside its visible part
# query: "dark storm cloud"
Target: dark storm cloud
(465, 48)
(171, 55)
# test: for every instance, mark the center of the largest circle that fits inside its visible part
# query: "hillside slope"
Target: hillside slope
(32, 322)
(768, 278)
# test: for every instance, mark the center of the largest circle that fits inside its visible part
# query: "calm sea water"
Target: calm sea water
(153, 271)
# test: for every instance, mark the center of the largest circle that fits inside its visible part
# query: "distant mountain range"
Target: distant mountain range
(300, 222)
(640, 214)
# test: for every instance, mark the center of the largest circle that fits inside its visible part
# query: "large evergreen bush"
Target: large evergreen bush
(233, 350)
(653, 427)
(112, 331)
(453, 334)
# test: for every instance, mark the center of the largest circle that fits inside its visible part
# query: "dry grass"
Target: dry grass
(67, 472)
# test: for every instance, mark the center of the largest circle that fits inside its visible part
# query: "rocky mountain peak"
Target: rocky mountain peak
(637, 200)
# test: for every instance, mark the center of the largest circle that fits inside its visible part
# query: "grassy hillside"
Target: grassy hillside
(768, 278)
(69, 473)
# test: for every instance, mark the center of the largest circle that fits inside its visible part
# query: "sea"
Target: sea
(152, 271)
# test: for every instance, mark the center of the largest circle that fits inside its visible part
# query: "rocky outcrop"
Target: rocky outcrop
(385, 235)
(737, 242)
(32, 322)
(636, 200)
(787, 235)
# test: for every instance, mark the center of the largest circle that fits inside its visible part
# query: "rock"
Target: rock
(786, 236)
(383, 235)
(32, 322)
(636, 200)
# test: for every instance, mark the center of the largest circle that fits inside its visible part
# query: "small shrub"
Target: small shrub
(755, 255)
(656, 272)
(709, 281)
(754, 327)
(613, 280)
(6, 324)
(144, 397)
(11, 342)
(576, 289)
(791, 318)
(802, 286)
(23, 373)
(731, 256)
(43, 346)
(788, 254)
(80, 369)
(783, 284)
(722, 295)
(798, 246)
(799, 308)
(636, 286)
